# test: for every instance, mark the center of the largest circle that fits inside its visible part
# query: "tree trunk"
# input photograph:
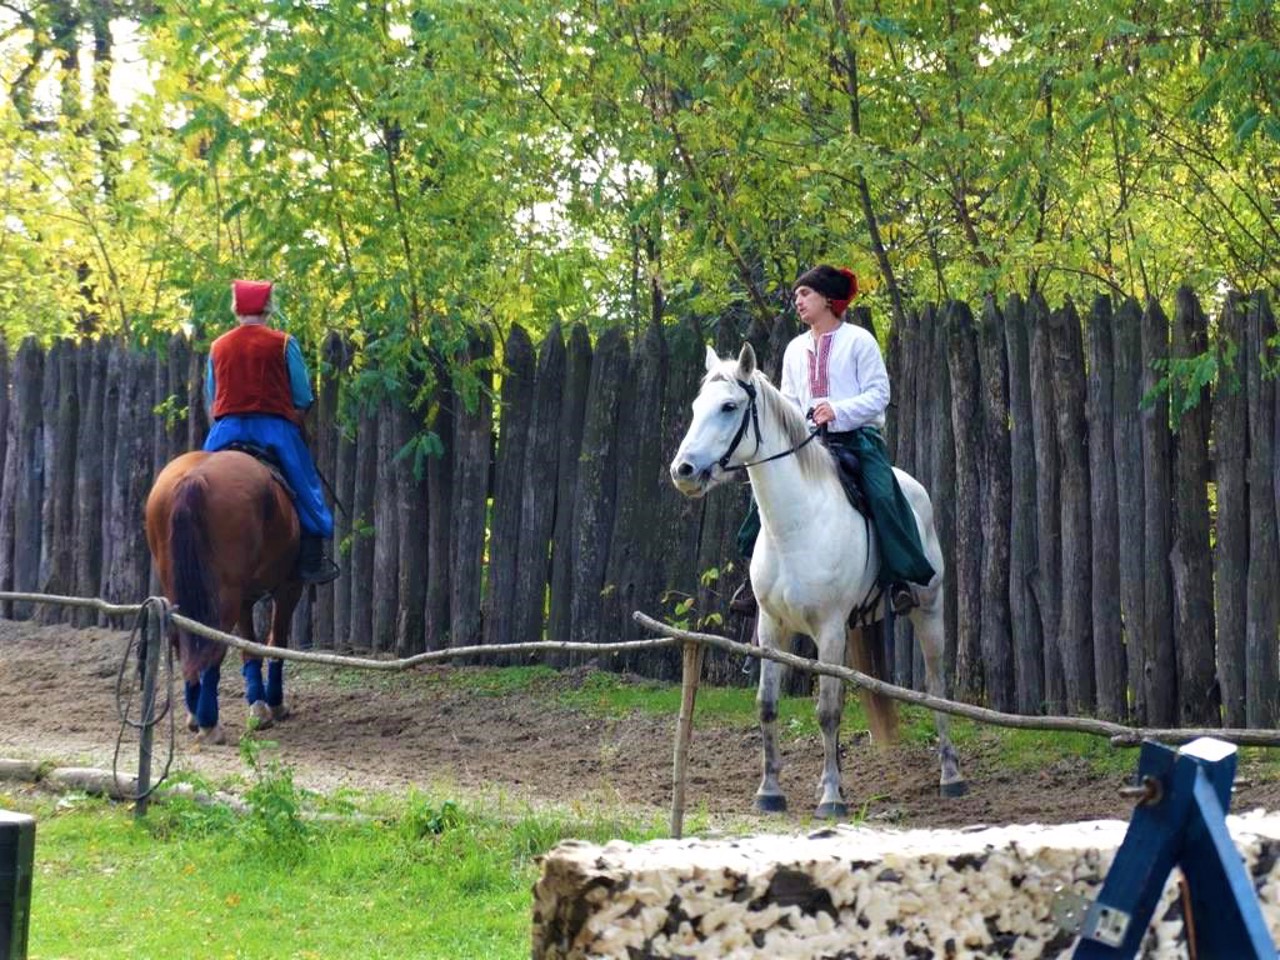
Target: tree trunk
(1109, 665)
(516, 416)
(1075, 633)
(1028, 641)
(1048, 578)
(1192, 563)
(967, 428)
(1161, 678)
(996, 508)
(1127, 444)
(473, 450)
(1263, 600)
(1231, 545)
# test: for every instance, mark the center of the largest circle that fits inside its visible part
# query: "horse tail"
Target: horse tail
(192, 578)
(867, 656)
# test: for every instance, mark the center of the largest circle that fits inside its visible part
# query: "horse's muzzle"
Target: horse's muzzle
(689, 480)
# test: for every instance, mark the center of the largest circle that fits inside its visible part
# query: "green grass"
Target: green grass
(426, 878)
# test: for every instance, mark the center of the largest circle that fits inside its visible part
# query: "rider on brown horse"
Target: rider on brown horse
(257, 389)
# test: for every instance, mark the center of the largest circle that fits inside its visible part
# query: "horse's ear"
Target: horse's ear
(713, 360)
(747, 361)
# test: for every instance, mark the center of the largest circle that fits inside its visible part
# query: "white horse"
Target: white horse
(814, 564)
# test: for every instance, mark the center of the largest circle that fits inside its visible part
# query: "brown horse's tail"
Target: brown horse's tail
(867, 656)
(192, 579)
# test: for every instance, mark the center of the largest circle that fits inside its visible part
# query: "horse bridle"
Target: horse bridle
(752, 416)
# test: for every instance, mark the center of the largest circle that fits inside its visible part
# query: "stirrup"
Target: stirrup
(326, 571)
(743, 600)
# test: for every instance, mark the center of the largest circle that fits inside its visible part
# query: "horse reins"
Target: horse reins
(750, 415)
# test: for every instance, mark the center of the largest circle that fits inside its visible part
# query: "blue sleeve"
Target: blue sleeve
(299, 382)
(209, 388)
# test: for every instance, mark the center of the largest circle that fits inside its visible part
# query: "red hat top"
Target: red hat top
(250, 297)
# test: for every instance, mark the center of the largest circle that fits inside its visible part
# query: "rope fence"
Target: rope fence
(156, 615)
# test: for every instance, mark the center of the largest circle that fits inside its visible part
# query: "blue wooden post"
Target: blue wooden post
(1180, 821)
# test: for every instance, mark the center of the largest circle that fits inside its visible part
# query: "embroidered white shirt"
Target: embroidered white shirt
(843, 367)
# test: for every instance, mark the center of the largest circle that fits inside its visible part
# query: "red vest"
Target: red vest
(250, 373)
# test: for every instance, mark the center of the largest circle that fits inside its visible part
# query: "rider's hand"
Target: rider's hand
(823, 414)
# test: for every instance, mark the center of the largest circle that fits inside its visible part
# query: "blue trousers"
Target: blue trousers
(285, 442)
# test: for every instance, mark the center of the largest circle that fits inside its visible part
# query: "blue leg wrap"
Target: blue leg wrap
(275, 683)
(252, 671)
(207, 707)
(192, 693)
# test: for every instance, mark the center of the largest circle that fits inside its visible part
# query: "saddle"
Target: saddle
(267, 459)
(849, 468)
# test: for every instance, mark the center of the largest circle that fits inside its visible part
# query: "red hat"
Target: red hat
(250, 297)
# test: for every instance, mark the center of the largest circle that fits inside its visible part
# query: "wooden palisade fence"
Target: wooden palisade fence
(1105, 555)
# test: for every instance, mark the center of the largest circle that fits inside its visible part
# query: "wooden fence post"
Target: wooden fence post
(473, 449)
(1191, 561)
(440, 508)
(515, 413)
(411, 486)
(363, 526)
(1127, 392)
(634, 553)
(538, 489)
(325, 425)
(1028, 654)
(1075, 624)
(90, 471)
(1231, 546)
(966, 496)
(693, 655)
(29, 466)
(1161, 677)
(386, 530)
(996, 512)
(578, 362)
(152, 630)
(1109, 666)
(1262, 691)
(60, 481)
(1048, 578)
(596, 495)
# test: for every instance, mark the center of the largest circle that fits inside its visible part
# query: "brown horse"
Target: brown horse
(223, 534)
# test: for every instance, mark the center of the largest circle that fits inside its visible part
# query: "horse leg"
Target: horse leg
(769, 798)
(255, 692)
(928, 623)
(207, 706)
(831, 648)
(191, 691)
(286, 602)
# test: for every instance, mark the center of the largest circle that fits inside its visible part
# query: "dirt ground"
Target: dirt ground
(386, 732)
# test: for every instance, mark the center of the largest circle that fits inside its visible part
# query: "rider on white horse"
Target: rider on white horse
(834, 371)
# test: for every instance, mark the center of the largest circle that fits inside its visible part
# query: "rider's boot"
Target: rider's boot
(313, 565)
(902, 599)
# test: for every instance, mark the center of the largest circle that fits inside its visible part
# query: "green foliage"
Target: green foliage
(421, 173)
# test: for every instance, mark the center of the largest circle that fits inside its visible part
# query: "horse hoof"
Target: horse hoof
(260, 716)
(191, 723)
(771, 803)
(832, 811)
(280, 712)
(956, 788)
(211, 736)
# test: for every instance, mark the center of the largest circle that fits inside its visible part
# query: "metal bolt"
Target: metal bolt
(1146, 794)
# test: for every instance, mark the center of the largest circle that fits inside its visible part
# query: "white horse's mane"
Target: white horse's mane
(815, 460)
